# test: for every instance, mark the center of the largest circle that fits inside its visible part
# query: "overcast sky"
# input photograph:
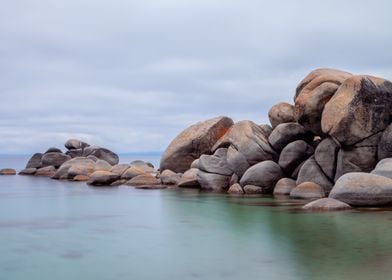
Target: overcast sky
(131, 74)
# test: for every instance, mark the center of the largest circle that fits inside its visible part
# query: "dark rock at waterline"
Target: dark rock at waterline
(251, 189)
(286, 133)
(144, 180)
(28, 171)
(363, 189)
(7, 171)
(264, 174)
(250, 140)
(307, 190)
(326, 204)
(284, 186)
(47, 171)
(169, 177)
(326, 155)
(294, 154)
(35, 161)
(54, 159)
(313, 92)
(235, 189)
(311, 172)
(213, 182)
(194, 141)
(360, 108)
(74, 144)
(102, 178)
(189, 179)
(281, 113)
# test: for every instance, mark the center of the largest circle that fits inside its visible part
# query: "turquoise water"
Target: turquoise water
(62, 230)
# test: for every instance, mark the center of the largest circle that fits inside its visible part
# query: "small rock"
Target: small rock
(326, 204)
(294, 154)
(47, 171)
(384, 168)
(118, 183)
(311, 172)
(151, 187)
(307, 190)
(284, 186)
(235, 189)
(189, 179)
(7, 171)
(102, 178)
(132, 172)
(119, 169)
(281, 113)
(250, 189)
(286, 133)
(143, 180)
(169, 177)
(53, 150)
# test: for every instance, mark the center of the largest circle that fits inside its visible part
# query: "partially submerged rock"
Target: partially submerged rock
(235, 189)
(189, 179)
(251, 189)
(47, 171)
(311, 172)
(144, 180)
(284, 186)
(169, 177)
(102, 178)
(7, 171)
(264, 174)
(212, 181)
(35, 161)
(28, 171)
(307, 190)
(326, 204)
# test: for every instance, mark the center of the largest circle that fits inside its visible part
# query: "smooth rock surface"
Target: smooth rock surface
(54, 159)
(47, 171)
(384, 168)
(235, 189)
(326, 204)
(212, 181)
(251, 189)
(264, 174)
(311, 172)
(73, 144)
(194, 141)
(169, 177)
(237, 161)
(281, 113)
(131, 172)
(35, 161)
(363, 189)
(102, 165)
(284, 186)
(144, 180)
(28, 171)
(286, 133)
(119, 169)
(307, 190)
(7, 171)
(294, 154)
(74, 167)
(215, 164)
(102, 178)
(189, 179)
(326, 156)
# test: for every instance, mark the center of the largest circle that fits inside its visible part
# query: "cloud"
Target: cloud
(130, 75)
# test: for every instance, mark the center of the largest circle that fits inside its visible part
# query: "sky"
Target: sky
(130, 75)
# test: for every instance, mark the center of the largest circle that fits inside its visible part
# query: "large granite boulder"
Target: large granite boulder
(212, 181)
(264, 174)
(249, 139)
(101, 153)
(74, 167)
(326, 155)
(313, 92)
(326, 204)
(384, 149)
(307, 190)
(363, 189)
(54, 159)
(286, 133)
(74, 144)
(194, 141)
(216, 163)
(294, 154)
(311, 172)
(361, 107)
(102, 165)
(281, 113)
(189, 179)
(102, 178)
(384, 168)
(35, 161)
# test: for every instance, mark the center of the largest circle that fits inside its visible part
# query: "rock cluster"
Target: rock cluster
(340, 123)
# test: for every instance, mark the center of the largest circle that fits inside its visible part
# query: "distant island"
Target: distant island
(333, 146)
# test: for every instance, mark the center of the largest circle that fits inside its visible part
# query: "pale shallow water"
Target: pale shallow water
(62, 230)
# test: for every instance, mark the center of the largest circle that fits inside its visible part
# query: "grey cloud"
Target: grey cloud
(130, 75)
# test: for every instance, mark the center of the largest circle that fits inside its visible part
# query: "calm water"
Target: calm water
(61, 230)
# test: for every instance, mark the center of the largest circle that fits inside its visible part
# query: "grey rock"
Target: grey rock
(237, 161)
(215, 164)
(326, 155)
(74, 167)
(284, 186)
(326, 204)
(73, 144)
(213, 182)
(251, 189)
(53, 150)
(311, 172)
(385, 144)
(119, 169)
(144, 180)
(54, 159)
(286, 133)
(281, 113)
(189, 179)
(307, 190)
(384, 168)
(28, 171)
(169, 177)
(35, 161)
(264, 174)
(294, 154)
(102, 178)
(102, 165)
(235, 189)
(47, 171)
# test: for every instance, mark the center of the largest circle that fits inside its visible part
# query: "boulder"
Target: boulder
(385, 144)
(53, 150)
(281, 113)
(195, 163)
(213, 182)
(250, 140)
(267, 129)
(102, 178)
(284, 186)
(7, 171)
(286, 133)
(294, 154)
(102, 165)
(235, 189)
(147, 168)
(131, 172)
(215, 164)
(384, 168)
(307, 190)
(151, 187)
(234, 179)
(189, 179)
(169, 177)
(360, 108)
(264, 174)
(75, 153)
(237, 161)
(54, 159)
(81, 178)
(119, 169)
(311, 172)
(74, 144)
(35, 161)
(326, 155)
(143, 180)
(356, 159)
(313, 92)
(250, 189)
(28, 171)
(194, 141)
(47, 171)
(326, 204)
(101, 153)
(363, 189)
(74, 167)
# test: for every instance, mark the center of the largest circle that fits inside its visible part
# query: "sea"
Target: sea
(67, 230)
